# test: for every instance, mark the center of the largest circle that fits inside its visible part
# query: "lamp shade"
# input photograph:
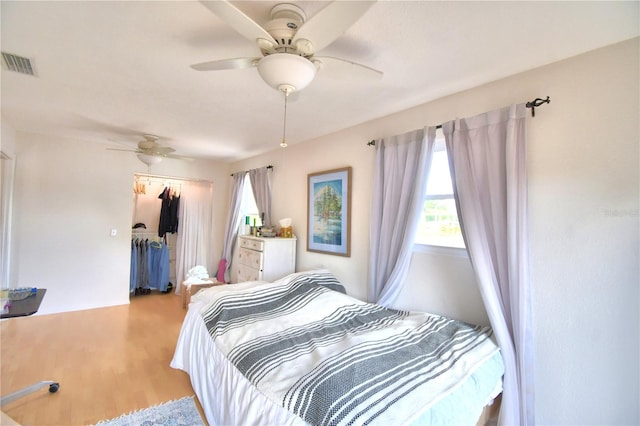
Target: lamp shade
(149, 159)
(286, 71)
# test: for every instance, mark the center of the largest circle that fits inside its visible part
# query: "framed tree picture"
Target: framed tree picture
(329, 212)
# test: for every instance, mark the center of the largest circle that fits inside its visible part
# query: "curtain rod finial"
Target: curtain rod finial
(536, 103)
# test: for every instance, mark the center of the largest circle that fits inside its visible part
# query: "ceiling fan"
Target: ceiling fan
(289, 42)
(150, 152)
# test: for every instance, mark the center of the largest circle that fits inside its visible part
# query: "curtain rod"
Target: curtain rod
(531, 104)
(270, 167)
(147, 175)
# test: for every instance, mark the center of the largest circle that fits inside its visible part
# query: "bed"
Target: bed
(301, 351)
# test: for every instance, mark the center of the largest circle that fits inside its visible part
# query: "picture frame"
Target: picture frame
(329, 212)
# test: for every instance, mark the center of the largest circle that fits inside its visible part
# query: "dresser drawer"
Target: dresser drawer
(250, 258)
(252, 244)
(247, 273)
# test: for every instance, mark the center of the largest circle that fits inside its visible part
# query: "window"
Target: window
(439, 225)
(248, 205)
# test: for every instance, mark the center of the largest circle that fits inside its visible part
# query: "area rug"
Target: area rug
(181, 412)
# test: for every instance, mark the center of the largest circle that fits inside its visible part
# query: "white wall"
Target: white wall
(443, 282)
(583, 162)
(7, 140)
(69, 195)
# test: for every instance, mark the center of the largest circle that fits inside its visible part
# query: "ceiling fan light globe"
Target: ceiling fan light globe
(286, 69)
(149, 160)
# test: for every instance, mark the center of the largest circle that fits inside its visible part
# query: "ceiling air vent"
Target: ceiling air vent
(17, 63)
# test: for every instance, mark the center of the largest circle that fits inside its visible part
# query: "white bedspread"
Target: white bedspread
(310, 354)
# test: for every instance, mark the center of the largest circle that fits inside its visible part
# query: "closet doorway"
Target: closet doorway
(173, 214)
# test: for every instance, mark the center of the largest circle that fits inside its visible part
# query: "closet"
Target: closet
(156, 203)
(171, 225)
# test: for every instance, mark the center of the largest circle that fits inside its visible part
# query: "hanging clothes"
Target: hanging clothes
(143, 265)
(149, 266)
(173, 214)
(133, 275)
(168, 212)
(158, 254)
(139, 187)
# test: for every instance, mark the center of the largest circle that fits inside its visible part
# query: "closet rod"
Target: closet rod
(146, 175)
(531, 104)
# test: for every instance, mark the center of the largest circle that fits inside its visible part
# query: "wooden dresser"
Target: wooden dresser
(265, 259)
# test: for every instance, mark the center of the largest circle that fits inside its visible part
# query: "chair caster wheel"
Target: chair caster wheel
(53, 388)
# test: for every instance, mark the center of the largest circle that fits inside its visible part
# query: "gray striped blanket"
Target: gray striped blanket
(332, 359)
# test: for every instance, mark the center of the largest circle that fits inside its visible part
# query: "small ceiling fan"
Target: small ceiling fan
(289, 42)
(151, 152)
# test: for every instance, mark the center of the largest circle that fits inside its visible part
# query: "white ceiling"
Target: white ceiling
(110, 71)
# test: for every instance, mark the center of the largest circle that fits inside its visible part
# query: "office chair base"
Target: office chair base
(53, 387)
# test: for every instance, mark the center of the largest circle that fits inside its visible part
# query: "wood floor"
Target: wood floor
(108, 361)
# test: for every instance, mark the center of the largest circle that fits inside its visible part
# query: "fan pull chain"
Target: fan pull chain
(284, 125)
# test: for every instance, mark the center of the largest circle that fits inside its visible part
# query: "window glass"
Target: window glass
(439, 224)
(248, 206)
(439, 182)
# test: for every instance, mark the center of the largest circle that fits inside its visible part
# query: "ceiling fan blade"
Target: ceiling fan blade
(240, 22)
(329, 24)
(343, 69)
(179, 157)
(226, 64)
(126, 150)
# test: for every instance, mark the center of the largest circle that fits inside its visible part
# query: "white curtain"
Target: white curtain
(400, 181)
(194, 242)
(262, 192)
(233, 221)
(487, 155)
